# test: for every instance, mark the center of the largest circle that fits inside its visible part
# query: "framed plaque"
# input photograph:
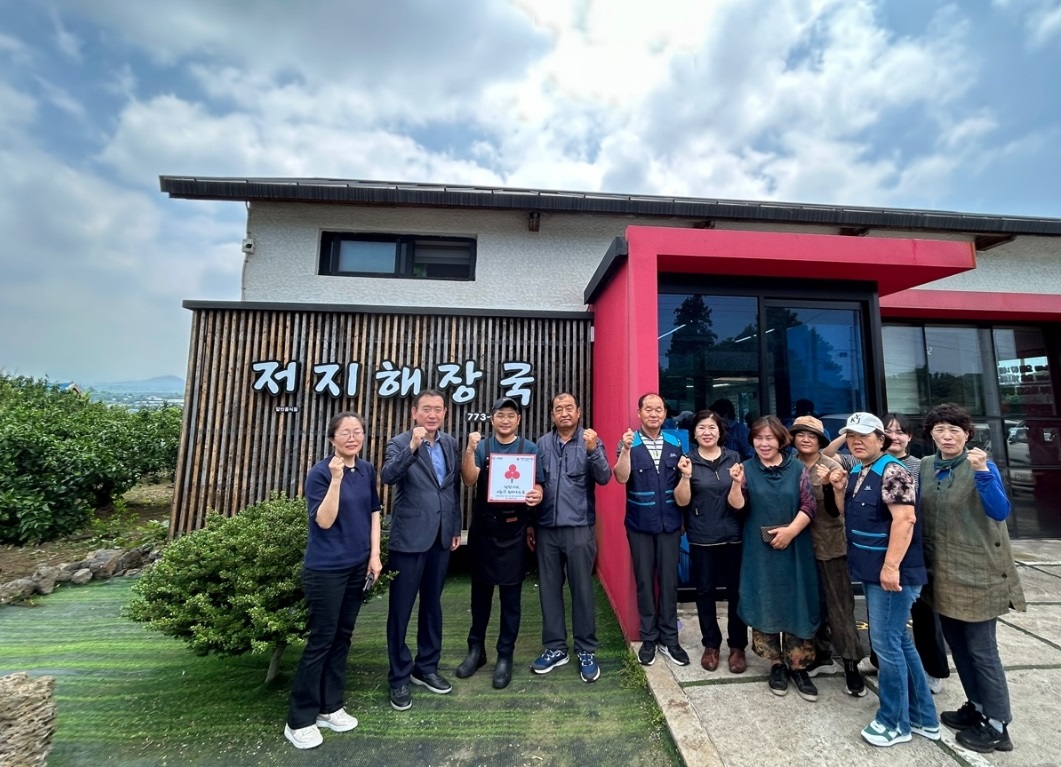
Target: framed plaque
(511, 477)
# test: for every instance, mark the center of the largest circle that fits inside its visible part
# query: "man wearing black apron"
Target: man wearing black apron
(496, 539)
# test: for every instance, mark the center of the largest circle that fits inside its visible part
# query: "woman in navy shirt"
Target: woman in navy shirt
(341, 553)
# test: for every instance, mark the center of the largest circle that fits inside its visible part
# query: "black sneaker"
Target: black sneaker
(856, 685)
(401, 700)
(778, 679)
(984, 738)
(435, 682)
(964, 718)
(821, 666)
(646, 656)
(675, 652)
(804, 686)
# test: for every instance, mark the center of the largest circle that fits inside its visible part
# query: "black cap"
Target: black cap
(501, 402)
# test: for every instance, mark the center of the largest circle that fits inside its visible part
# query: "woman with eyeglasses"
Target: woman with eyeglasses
(342, 554)
(974, 578)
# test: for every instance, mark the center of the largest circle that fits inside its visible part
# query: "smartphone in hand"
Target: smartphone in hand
(370, 580)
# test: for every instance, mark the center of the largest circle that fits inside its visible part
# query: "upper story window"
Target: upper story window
(397, 255)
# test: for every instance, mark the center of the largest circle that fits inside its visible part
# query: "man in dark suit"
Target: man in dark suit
(423, 466)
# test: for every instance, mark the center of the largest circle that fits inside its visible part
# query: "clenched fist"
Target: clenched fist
(736, 472)
(419, 433)
(628, 438)
(685, 466)
(589, 439)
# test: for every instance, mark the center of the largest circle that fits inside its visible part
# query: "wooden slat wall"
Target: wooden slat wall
(237, 450)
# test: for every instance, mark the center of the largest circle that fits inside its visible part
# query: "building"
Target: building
(357, 294)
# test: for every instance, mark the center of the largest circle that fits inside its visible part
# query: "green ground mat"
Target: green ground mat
(129, 696)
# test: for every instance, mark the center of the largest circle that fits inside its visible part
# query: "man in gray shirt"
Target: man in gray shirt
(573, 463)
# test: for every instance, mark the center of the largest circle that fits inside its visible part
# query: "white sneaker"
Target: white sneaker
(867, 668)
(304, 737)
(339, 721)
(935, 684)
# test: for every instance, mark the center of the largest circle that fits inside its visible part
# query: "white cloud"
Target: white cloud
(1042, 18)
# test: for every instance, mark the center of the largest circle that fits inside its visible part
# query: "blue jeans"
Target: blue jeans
(904, 695)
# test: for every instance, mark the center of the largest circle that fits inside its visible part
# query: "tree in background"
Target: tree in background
(63, 455)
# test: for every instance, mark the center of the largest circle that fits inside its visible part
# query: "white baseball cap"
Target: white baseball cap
(862, 423)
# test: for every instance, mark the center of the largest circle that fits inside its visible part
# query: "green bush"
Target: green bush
(234, 586)
(62, 455)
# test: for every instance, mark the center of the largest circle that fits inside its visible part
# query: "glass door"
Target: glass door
(815, 360)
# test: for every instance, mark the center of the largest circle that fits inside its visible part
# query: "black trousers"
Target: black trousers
(334, 598)
(420, 574)
(511, 612)
(655, 557)
(570, 551)
(713, 567)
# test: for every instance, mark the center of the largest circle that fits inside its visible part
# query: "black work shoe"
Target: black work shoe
(646, 656)
(476, 660)
(675, 652)
(820, 666)
(984, 738)
(964, 718)
(435, 682)
(856, 685)
(401, 700)
(778, 679)
(502, 672)
(804, 686)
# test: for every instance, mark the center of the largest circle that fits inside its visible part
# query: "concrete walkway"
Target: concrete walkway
(718, 718)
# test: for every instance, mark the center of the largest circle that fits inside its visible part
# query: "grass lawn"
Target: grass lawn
(129, 696)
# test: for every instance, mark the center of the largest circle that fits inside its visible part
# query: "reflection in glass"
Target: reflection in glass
(708, 350)
(905, 369)
(955, 366)
(815, 363)
(1025, 383)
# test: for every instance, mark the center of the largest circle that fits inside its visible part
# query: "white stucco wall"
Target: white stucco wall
(520, 269)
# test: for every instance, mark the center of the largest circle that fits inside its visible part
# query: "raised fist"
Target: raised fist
(335, 466)
(685, 466)
(628, 438)
(419, 433)
(589, 438)
(474, 439)
(736, 472)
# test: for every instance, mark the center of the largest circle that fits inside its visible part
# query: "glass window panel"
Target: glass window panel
(905, 369)
(815, 363)
(366, 256)
(441, 260)
(955, 367)
(1036, 498)
(709, 350)
(1025, 381)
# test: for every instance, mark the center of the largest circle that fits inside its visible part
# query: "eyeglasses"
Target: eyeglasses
(347, 434)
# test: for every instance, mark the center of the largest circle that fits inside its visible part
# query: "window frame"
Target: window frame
(404, 254)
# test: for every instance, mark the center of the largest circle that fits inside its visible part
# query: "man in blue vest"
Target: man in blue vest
(648, 466)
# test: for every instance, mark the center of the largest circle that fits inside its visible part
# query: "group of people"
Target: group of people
(425, 468)
(783, 532)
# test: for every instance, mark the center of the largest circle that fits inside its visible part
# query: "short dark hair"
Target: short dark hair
(951, 413)
(646, 395)
(427, 393)
(338, 418)
(705, 415)
(723, 407)
(773, 423)
(552, 402)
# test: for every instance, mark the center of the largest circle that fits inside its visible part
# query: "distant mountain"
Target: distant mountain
(163, 384)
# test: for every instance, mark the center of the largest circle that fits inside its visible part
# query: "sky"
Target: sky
(904, 103)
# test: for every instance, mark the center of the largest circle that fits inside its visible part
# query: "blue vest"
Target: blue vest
(868, 524)
(650, 506)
